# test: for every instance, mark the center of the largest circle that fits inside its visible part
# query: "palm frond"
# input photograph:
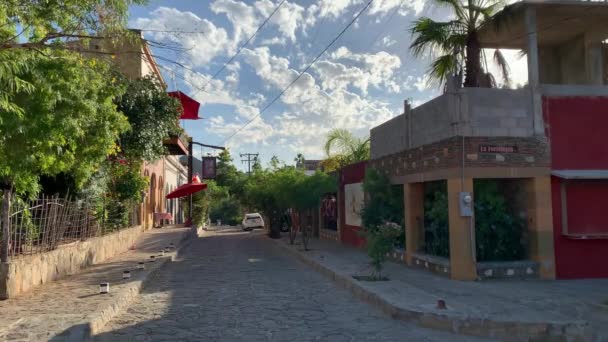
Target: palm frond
(502, 63)
(442, 68)
(430, 35)
(340, 140)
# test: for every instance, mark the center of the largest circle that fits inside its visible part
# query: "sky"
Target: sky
(358, 83)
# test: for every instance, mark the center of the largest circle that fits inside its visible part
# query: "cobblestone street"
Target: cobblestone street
(234, 286)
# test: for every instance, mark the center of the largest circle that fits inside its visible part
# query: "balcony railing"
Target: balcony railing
(177, 144)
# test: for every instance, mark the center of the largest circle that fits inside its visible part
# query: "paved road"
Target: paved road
(235, 286)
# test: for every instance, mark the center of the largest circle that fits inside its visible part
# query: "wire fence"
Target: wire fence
(43, 224)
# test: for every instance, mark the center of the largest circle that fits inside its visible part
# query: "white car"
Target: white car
(252, 221)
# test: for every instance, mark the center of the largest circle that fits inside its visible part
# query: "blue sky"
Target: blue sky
(359, 83)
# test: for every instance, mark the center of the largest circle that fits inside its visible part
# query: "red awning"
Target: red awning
(189, 105)
(187, 189)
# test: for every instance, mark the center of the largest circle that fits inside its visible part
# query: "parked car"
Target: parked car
(252, 221)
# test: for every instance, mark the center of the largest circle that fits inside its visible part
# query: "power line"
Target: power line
(242, 46)
(172, 31)
(303, 71)
(251, 157)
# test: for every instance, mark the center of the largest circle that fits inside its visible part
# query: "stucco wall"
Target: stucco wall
(351, 174)
(25, 273)
(577, 131)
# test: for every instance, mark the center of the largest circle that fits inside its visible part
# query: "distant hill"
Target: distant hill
(197, 165)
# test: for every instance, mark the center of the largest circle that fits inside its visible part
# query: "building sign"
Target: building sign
(209, 168)
(497, 149)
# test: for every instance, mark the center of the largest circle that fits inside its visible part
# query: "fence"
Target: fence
(43, 224)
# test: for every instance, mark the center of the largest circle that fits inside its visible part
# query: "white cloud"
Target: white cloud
(308, 110)
(382, 7)
(200, 48)
(388, 41)
(370, 69)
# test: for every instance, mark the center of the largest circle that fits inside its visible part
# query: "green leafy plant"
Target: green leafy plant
(454, 44)
(152, 115)
(384, 203)
(379, 243)
(343, 148)
(436, 219)
(499, 234)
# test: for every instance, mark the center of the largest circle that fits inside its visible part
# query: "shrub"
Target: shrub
(498, 233)
(380, 242)
(436, 220)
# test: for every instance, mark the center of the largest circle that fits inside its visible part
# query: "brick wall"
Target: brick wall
(446, 154)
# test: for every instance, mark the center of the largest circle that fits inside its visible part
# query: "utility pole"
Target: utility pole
(251, 157)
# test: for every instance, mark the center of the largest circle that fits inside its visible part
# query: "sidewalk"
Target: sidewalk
(72, 308)
(506, 309)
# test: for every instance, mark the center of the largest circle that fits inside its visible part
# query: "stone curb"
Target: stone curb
(94, 322)
(484, 327)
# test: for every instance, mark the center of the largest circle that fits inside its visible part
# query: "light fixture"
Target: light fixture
(104, 288)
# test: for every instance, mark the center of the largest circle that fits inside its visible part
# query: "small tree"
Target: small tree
(379, 243)
(383, 218)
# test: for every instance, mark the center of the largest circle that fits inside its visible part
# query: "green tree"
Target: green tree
(343, 148)
(152, 116)
(38, 25)
(299, 160)
(275, 163)
(68, 121)
(454, 44)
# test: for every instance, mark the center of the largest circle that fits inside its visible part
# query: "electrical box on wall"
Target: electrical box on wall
(466, 204)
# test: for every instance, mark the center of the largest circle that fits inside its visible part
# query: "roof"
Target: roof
(558, 21)
(581, 174)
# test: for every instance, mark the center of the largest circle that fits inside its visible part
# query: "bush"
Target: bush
(436, 220)
(380, 242)
(228, 211)
(384, 203)
(498, 233)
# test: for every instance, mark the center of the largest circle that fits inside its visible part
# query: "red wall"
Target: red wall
(350, 174)
(578, 131)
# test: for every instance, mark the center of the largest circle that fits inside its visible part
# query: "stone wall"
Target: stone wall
(26, 272)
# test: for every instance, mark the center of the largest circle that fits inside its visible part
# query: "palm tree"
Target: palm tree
(456, 41)
(343, 148)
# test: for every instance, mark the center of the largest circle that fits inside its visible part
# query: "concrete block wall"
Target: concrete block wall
(26, 272)
(499, 113)
(432, 121)
(471, 112)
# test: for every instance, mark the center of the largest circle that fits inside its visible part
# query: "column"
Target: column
(533, 78)
(463, 263)
(540, 224)
(413, 196)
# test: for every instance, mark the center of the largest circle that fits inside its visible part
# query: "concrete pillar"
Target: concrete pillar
(462, 233)
(413, 196)
(533, 78)
(594, 59)
(540, 224)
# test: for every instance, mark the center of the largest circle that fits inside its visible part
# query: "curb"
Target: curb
(483, 327)
(96, 321)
